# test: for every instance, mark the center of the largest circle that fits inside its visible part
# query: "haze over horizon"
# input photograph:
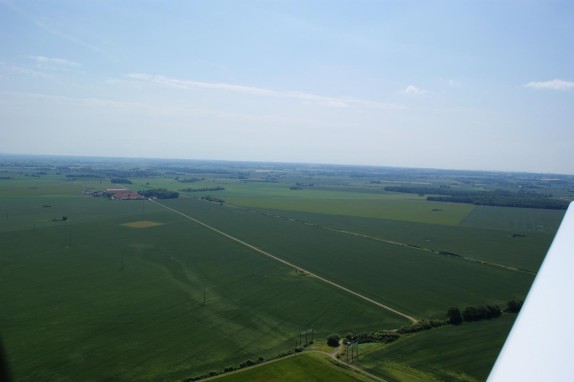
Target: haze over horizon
(428, 84)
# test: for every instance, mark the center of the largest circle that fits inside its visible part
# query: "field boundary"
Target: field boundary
(397, 243)
(259, 250)
(332, 356)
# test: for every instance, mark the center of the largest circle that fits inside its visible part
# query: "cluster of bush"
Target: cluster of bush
(189, 180)
(159, 193)
(384, 336)
(481, 312)
(204, 189)
(387, 336)
(213, 199)
(513, 306)
(421, 325)
(120, 181)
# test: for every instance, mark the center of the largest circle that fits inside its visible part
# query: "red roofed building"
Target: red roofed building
(123, 194)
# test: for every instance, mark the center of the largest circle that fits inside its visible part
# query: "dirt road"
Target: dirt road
(356, 294)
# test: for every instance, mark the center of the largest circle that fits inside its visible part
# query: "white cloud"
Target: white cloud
(339, 102)
(551, 85)
(41, 60)
(414, 91)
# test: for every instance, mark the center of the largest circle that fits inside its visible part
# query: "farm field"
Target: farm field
(303, 367)
(101, 289)
(75, 302)
(451, 353)
(420, 284)
(515, 248)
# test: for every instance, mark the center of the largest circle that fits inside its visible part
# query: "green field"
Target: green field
(452, 353)
(74, 303)
(98, 289)
(416, 282)
(392, 208)
(304, 367)
(501, 246)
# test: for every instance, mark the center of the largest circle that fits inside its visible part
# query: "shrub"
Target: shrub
(333, 340)
(454, 316)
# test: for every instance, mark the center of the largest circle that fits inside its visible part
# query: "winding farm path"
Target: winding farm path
(356, 294)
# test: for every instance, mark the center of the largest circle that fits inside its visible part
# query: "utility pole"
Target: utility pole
(347, 352)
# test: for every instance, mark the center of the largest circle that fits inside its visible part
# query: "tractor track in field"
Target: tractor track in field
(259, 250)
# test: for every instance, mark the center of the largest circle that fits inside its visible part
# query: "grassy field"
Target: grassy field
(392, 208)
(451, 353)
(525, 250)
(514, 219)
(71, 312)
(304, 367)
(415, 282)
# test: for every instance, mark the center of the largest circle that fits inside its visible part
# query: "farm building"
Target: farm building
(123, 194)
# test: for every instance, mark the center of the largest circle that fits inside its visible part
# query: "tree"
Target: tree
(513, 306)
(481, 312)
(454, 316)
(333, 340)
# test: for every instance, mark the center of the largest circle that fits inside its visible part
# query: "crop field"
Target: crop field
(519, 249)
(452, 353)
(165, 290)
(392, 208)
(514, 219)
(421, 284)
(305, 367)
(91, 291)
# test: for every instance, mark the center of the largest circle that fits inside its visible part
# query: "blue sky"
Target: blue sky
(446, 84)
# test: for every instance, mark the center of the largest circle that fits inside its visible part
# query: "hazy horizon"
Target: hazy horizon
(486, 86)
(263, 162)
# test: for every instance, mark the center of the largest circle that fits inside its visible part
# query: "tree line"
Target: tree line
(159, 193)
(204, 189)
(481, 312)
(498, 198)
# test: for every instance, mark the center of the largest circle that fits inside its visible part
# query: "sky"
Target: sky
(460, 84)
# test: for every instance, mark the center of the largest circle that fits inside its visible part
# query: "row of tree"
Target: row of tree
(481, 312)
(504, 201)
(213, 199)
(499, 198)
(159, 193)
(203, 189)
(120, 181)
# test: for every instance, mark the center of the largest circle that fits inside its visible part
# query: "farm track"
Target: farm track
(390, 309)
(405, 245)
(333, 356)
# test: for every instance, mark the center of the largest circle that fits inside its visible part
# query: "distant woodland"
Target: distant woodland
(499, 198)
